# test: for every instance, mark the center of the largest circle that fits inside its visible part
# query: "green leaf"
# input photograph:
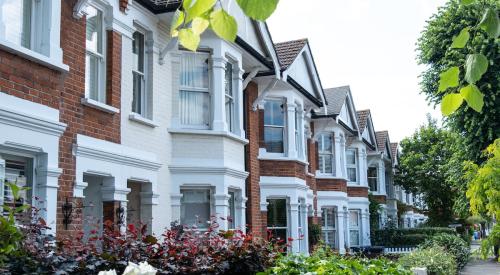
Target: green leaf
(448, 79)
(15, 189)
(467, 2)
(199, 25)
(224, 25)
(475, 66)
(473, 96)
(258, 9)
(189, 39)
(490, 23)
(450, 103)
(461, 39)
(198, 8)
(186, 4)
(177, 20)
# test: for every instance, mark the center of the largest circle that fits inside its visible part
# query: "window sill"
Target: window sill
(267, 156)
(100, 106)
(33, 56)
(328, 176)
(353, 184)
(208, 133)
(142, 120)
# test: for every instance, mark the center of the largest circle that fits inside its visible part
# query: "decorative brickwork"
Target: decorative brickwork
(281, 168)
(380, 199)
(357, 191)
(332, 185)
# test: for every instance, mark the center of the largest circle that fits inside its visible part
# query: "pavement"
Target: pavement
(479, 266)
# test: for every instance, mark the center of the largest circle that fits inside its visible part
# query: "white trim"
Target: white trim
(99, 105)
(140, 119)
(36, 57)
(208, 132)
(177, 169)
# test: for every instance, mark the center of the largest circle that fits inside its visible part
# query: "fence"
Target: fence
(398, 250)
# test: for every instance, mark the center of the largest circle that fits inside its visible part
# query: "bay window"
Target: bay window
(329, 226)
(326, 156)
(352, 165)
(17, 171)
(194, 94)
(373, 179)
(196, 207)
(229, 97)
(139, 74)
(354, 227)
(95, 61)
(232, 210)
(277, 219)
(274, 126)
(298, 143)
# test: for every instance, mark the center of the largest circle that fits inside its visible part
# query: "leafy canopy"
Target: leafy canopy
(196, 16)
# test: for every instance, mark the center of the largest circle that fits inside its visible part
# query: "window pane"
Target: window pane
(138, 51)
(232, 210)
(351, 156)
(18, 172)
(16, 17)
(351, 174)
(274, 113)
(138, 93)
(326, 143)
(354, 237)
(229, 113)
(229, 79)
(91, 77)
(325, 162)
(94, 30)
(194, 108)
(194, 70)
(276, 213)
(273, 138)
(195, 207)
(353, 218)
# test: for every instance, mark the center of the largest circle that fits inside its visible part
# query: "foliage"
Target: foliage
(181, 250)
(314, 234)
(324, 261)
(452, 244)
(193, 17)
(491, 243)
(435, 258)
(397, 237)
(462, 63)
(423, 168)
(374, 209)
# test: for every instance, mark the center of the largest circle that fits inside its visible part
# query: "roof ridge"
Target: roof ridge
(293, 40)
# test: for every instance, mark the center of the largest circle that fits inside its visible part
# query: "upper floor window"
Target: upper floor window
(194, 94)
(352, 165)
(372, 178)
(298, 125)
(325, 150)
(139, 75)
(95, 62)
(274, 126)
(25, 23)
(229, 95)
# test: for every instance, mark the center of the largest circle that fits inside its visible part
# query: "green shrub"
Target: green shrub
(411, 239)
(324, 262)
(435, 259)
(452, 244)
(394, 236)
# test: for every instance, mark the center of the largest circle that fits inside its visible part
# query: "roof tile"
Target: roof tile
(288, 51)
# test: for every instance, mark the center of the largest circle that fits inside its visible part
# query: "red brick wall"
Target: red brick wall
(332, 185)
(380, 199)
(256, 221)
(28, 80)
(280, 168)
(355, 191)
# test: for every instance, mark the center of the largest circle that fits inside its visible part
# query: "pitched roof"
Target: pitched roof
(394, 148)
(336, 98)
(381, 138)
(288, 51)
(362, 119)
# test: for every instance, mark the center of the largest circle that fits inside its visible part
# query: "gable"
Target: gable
(346, 116)
(301, 73)
(248, 30)
(367, 135)
(387, 150)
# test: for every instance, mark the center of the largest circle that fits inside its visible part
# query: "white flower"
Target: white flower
(107, 272)
(142, 269)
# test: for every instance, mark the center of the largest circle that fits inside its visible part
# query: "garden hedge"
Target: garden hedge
(397, 237)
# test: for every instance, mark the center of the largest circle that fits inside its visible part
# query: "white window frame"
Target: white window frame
(352, 166)
(287, 226)
(326, 229)
(144, 106)
(211, 202)
(230, 98)
(31, 163)
(298, 127)
(284, 128)
(376, 178)
(355, 228)
(231, 225)
(207, 91)
(101, 73)
(330, 155)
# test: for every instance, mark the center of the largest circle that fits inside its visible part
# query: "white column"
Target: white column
(342, 232)
(222, 209)
(47, 190)
(343, 156)
(218, 93)
(337, 153)
(366, 227)
(238, 100)
(175, 200)
(290, 126)
(55, 51)
(305, 231)
(240, 219)
(363, 167)
(294, 225)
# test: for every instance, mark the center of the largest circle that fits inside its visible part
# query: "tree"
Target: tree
(423, 167)
(447, 65)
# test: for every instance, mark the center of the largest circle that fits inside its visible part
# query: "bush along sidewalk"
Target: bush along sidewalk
(452, 244)
(434, 258)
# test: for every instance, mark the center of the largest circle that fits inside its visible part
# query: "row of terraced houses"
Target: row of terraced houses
(101, 112)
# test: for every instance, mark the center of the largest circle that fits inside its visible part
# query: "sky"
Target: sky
(368, 45)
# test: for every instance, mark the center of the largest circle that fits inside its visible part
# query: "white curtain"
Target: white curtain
(194, 94)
